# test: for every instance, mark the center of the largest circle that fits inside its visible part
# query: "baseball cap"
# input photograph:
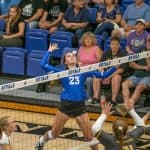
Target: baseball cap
(141, 20)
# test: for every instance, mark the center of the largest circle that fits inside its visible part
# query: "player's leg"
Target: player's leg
(57, 127)
(86, 127)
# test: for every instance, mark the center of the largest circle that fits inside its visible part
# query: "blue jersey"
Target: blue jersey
(73, 86)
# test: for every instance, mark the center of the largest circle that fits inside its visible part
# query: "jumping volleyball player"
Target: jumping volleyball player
(72, 97)
(122, 139)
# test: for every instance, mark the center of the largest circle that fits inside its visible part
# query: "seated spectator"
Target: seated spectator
(14, 29)
(76, 18)
(116, 78)
(108, 17)
(31, 11)
(140, 79)
(88, 54)
(7, 127)
(134, 11)
(53, 15)
(136, 41)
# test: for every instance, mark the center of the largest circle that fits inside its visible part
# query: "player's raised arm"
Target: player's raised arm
(45, 61)
(106, 111)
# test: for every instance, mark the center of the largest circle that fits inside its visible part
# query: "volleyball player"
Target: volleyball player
(7, 126)
(121, 140)
(72, 98)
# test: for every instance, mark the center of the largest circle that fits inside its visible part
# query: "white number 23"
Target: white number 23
(74, 80)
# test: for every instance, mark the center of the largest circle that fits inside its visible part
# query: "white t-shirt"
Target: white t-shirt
(5, 139)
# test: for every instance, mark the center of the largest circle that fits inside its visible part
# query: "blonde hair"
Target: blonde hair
(88, 34)
(18, 10)
(3, 124)
(120, 128)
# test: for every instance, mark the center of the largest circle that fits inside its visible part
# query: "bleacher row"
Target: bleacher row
(28, 59)
(36, 43)
(5, 4)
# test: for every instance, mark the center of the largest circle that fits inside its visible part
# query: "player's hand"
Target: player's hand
(52, 47)
(106, 108)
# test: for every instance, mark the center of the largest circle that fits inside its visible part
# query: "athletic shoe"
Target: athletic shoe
(38, 146)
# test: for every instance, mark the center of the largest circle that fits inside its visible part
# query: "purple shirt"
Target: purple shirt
(136, 42)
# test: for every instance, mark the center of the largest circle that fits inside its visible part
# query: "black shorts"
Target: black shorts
(73, 109)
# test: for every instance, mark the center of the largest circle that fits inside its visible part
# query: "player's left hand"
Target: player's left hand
(52, 47)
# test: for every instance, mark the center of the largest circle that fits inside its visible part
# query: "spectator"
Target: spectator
(14, 29)
(53, 14)
(32, 11)
(76, 18)
(140, 80)
(134, 11)
(7, 127)
(136, 41)
(88, 54)
(108, 17)
(116, 78)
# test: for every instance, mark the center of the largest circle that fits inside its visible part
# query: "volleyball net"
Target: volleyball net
(32, 122)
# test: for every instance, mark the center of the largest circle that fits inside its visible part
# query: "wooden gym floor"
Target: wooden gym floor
(33, 124)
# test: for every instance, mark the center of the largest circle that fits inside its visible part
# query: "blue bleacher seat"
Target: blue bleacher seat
(64, 39)
(1, 52)
(147, 2)
(99, 40)
(2, 25)
(93, 13)
(33, 63)
(13, 61)
(107, 44)
(36, 41)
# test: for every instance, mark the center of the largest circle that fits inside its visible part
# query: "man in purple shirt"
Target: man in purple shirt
(136, 41)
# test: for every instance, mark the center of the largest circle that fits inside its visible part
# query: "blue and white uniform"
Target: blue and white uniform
(73, 86)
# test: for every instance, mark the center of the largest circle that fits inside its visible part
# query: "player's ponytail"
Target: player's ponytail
(120, 129)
